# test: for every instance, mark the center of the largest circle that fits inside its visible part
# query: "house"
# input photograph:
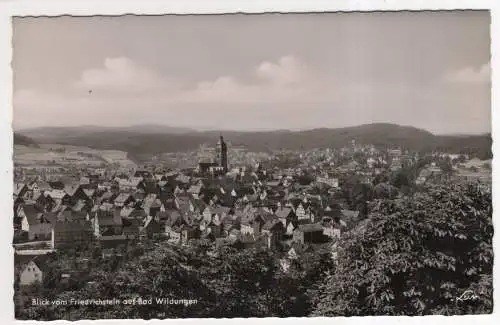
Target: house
(84, 181)
(135, 214)
(290, 228)
(33, 271)
(39, 187)
(124, 199)
(125, 211)
(45, 202)
(59, 195)
(303, 213)
(182, 203)
(134, 183)
(90, 193)
(197, 206)
(68, 214)
(261, 217)
(326, 182)
(247, 226)
(331, 231)
(189, 233)
(308, 233)
(182, 179)
(152, 227)
(173, 234)
(207, 213)
(37, 224)
(211, 227)
(285, 215)
(173, 224)
(80, 206)
(76, 192)
(273, 231)
(106, 197)
(71, 234)
(222, 212)
(107, 222)
(112, 245)
(195, 190)
(227, 225)
(273, 227)
(297, 250)
(20, 189)
(233, 235)
(131, 231)
(141, 173)
(152, 205)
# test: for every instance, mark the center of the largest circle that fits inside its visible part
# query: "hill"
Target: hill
(23, 140)
(170, 140)
(45, 134)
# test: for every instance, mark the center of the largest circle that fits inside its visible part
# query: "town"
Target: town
(292, 202)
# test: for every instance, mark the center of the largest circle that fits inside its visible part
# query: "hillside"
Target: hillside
(379, 134)
(23, 140)
(45, 134)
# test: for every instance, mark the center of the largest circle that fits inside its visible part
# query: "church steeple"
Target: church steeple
(221, 153)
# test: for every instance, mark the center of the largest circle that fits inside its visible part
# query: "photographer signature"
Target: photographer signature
(467, 295)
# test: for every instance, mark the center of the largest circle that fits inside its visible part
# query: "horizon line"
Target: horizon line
(190, 129)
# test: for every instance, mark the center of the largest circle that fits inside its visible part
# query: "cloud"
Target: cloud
(287, 71)
(471, 75)
(121, 74)
(287, 80)
(123, 90)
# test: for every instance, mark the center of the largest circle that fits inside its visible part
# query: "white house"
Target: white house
(331, 232)
(37, 224)
(32, 272)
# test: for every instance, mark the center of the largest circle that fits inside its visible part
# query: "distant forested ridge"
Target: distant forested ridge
(23, 140)
(382, 135)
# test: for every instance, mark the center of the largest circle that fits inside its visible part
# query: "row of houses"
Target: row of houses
(244, 205)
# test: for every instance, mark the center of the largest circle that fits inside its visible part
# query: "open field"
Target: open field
(67, 155)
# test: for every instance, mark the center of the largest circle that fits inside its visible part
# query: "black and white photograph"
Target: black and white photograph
(305, 164)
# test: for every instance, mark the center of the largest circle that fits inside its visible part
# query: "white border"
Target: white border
(10, 8)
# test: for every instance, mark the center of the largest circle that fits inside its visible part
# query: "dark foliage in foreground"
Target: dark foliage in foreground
(246, 283)
(416, 256)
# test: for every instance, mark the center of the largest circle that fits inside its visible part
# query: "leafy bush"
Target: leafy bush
(416, 256)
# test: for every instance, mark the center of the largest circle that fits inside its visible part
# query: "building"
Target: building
(33, 272)
(221, 154)
(107, 222)
(37, 224)
(309, 233)
(205, 167)
(68, 234)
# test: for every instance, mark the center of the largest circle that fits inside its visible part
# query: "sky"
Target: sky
(430, 70)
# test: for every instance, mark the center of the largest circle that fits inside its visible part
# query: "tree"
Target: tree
(305, 179)
(446, 166)
(416, 256)
(385, 191)
(360, 195)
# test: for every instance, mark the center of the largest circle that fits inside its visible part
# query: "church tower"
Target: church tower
(221, 153)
